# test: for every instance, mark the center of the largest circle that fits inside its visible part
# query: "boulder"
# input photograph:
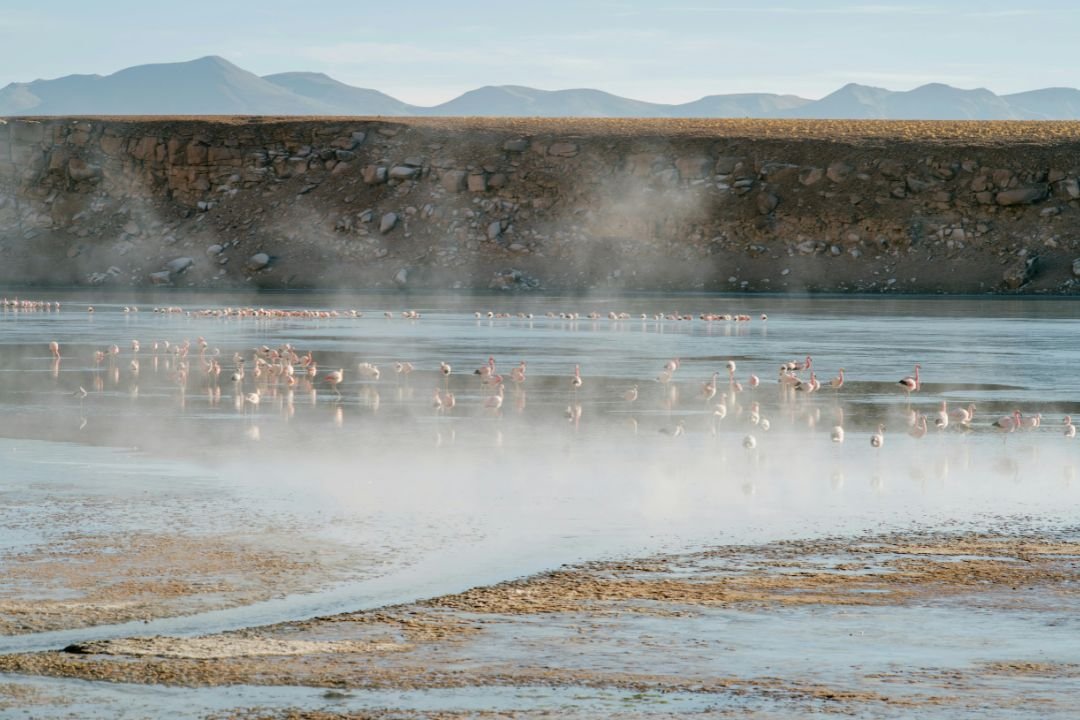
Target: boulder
(453, 180)
(1022, 195)
(767, 202)
(179, 265)
(494, 230)
(563, 149)
(1071, 187)
(811, 176)
(388, 222)
(374, 174)
(477, 183)
(694, 168)
(79, 170)
(401, 277)
(258, 261)
(838, 171)
(1076, 267)
(160, 278)
(516, 145)
(1020, 273)
(214, 249)
(404, 172)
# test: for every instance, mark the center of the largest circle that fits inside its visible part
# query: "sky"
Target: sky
(429, 51)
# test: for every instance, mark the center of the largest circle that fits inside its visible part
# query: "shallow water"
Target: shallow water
(424, 503)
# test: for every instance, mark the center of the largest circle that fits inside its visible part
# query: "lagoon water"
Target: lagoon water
(414, 503)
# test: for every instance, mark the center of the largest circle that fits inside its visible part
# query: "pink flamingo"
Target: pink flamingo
(1032, 422)
(918, 429)
(1070, 429)
(54, 348)
(494, 403)
(448, 401)
(575, 382)
(708, 390)
(963, 416)
(631, 395)
(486, 370)
(754, 381)
(837, 382)
(941, 419)
(334, 379)
(912, 383)
(518, 373)
(1009, 423)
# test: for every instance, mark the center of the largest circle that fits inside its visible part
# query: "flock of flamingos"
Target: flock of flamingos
(270, 370)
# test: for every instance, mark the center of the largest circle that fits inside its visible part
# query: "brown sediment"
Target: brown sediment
(99, 580)
(484, 637)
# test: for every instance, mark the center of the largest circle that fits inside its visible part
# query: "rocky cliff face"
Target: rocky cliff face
(558, 204)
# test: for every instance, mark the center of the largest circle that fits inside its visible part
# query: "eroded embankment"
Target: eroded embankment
(561, 204)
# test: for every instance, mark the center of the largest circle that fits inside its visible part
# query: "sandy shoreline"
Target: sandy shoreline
(651, 626)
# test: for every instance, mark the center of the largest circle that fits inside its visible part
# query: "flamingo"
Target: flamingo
(837, 434)
(253, 398)
(54, 348)
(754, 381)
(878, 438)
(837, 382)
(494, 403)
(448, 401)
(518, 373)
(486, 370)
(731, 370)
(334, 379)
(963, 416)
(1032, 422)
(941, 419)
(631, 395)
(1008, 423)
(708, 390)
(721, 411)
(437, 401)
(749, 442)
(1070, 429)
(368, 370)
(912, 383)
(918, 428)
(575, 382)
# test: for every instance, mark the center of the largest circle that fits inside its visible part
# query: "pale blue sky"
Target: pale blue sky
(427, 51)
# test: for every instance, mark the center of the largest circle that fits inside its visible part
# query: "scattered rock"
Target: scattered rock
(1076, 268)
(511, 279)
(258, 261)
(374, 174)
(388, 222)
(179, 265)
(516, 145)
(494, 230)
(214, 249)
(401, 277)
(1022, 195)
(1020, 273)
(563, 149)
(453, 180)
(811, 176)
(838, 171)
(158, 278)
(477, 182)
(404, 172)
(767, 202)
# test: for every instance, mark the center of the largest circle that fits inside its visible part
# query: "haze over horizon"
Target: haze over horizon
(426, 53)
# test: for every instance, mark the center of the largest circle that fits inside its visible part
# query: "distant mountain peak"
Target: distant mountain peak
(214, 85)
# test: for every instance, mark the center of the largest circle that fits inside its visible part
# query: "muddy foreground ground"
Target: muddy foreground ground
(902, 625)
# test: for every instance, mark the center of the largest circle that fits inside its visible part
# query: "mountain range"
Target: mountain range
(215, 86)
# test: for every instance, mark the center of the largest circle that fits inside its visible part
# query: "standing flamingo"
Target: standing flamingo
(963, 416)
(918, 428)
(941, 419)
(494, 403)
(575, 382)
(837, 382)
(878, 438)
(54, 348)
(1008, 423)
(837, 434)
(631, 395)
(708, 390)
(1070, 429)
(912, 383)
(518, 374)
(334, 379)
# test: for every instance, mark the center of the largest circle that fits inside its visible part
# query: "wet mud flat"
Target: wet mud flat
(930, 624)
